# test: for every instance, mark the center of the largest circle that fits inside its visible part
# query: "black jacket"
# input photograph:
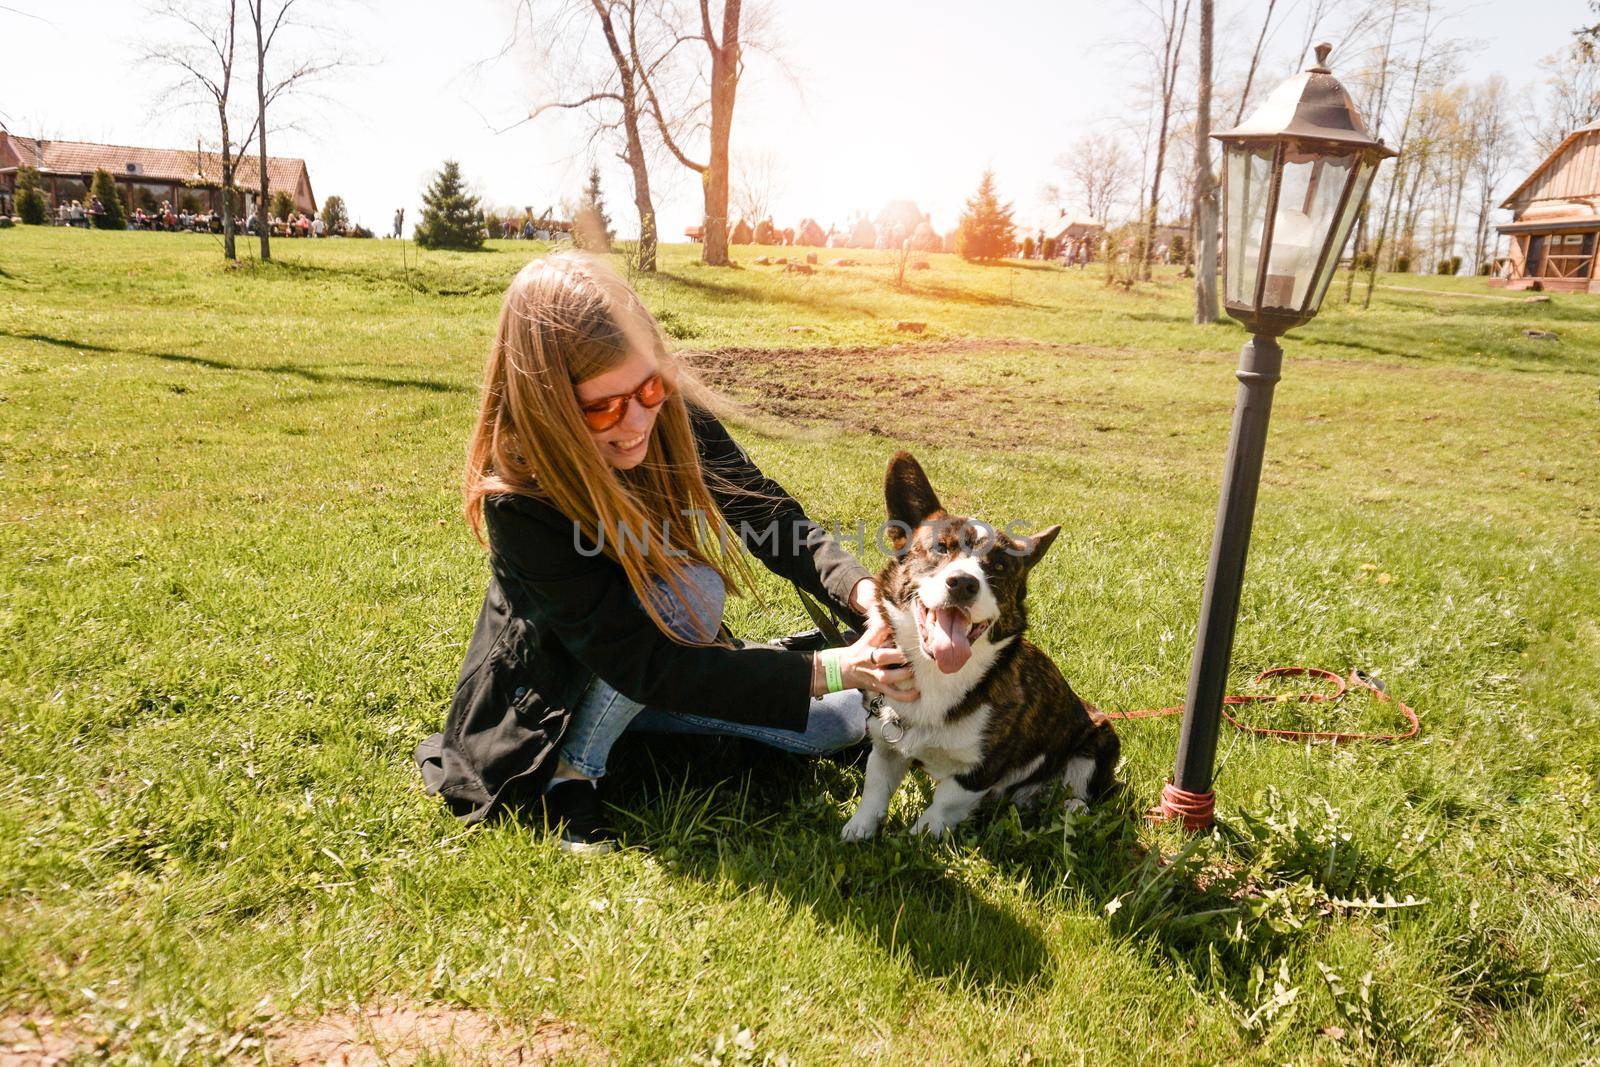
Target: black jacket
(558, 613)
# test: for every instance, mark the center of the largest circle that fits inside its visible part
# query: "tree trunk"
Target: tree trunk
(1377, 246)
(635, 158)
(228, 249)
(1205, 190)
(1481, 234)
(628, 80)
(647, 217)
(714, 179)
(263, 219)
(1169, 81)
(1412, 215)
(1152, 218)
(1355, 251)
(1458, 201)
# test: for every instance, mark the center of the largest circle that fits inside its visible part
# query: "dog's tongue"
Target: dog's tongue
(947, 639)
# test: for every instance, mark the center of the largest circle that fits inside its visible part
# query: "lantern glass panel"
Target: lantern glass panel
(1307, 201)
(1352, 208)
(1249, 188)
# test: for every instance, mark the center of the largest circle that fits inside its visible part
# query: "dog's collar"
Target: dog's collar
(890, 718)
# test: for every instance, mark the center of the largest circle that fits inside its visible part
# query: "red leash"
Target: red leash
(1343, 685)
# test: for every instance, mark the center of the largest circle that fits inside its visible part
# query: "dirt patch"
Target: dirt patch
(900, 392)
(397, 1033)
(946, 344)
(41, 1040)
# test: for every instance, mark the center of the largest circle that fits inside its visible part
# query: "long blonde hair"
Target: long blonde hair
(567, 318)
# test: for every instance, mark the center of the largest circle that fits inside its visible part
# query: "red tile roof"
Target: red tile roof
(156, 164)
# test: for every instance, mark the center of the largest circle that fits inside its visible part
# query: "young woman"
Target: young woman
(613, 504)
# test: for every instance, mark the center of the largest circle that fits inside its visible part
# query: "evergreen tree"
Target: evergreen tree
(334, 215)
(986, 231)
(111, 216)
(451, 217)
(30, 198)
(593, 229)
(282, 204)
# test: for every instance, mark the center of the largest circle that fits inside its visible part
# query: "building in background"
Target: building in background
(145, 177)
(1556, 221)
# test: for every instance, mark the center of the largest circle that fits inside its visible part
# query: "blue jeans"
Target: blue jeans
(836, 721)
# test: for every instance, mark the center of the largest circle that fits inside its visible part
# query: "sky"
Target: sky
(883, 99)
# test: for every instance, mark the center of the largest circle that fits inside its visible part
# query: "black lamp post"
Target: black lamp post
(1295, 175)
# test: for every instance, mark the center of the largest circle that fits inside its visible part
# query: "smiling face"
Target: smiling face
(624, 445)
(958, 580)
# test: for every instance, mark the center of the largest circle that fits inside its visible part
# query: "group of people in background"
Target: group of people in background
(294, 224)
(76, 213)
(529, 229)
(166, 218)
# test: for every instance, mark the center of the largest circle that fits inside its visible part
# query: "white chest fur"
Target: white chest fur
(943, 747)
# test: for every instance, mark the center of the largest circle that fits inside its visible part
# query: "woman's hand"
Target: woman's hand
(862, 596)
(872, 664)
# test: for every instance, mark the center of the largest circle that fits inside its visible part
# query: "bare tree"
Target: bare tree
(1571, 99)
(1493, 155)
(1426, 137)
(1098, 168)
(269, 18)
(726, 65)
(1397, 182)
(1173, 23)
(608, 87)
(757, 182)
(197, 44)
(1378, 96)
(1454, 165)
(1255, 62)
(1205, 191)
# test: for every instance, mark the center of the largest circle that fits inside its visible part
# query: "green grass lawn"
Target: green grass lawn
(235, 588)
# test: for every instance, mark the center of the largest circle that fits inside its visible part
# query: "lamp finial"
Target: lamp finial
(1322, 59)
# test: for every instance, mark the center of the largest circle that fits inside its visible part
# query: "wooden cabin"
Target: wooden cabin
(1555, 223)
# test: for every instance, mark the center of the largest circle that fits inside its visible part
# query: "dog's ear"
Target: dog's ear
(910, 498)
(1034, 548)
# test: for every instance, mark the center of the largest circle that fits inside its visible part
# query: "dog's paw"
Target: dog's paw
(861, 827)
(935, 828)
(1076, 806)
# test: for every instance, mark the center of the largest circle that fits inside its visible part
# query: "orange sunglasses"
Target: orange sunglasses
(606, 412)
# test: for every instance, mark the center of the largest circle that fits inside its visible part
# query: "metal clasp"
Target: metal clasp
(888, 717)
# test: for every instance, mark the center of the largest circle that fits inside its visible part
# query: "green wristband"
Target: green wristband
(830, 668)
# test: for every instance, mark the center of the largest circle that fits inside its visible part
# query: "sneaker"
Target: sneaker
(573, 808)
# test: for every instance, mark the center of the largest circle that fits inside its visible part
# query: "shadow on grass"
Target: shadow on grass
(59, 342)
(755, 821)
(769, 828)
(1469, 334)
(311, 375)
(1362, 346)
(956, 295)
(307, 373)
(1158, 316)
(408, 275)
(744, 820)
(813, 301)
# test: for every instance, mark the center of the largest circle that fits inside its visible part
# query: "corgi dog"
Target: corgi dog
(994, 717)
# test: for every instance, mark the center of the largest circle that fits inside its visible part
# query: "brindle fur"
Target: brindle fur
(1035, 725)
